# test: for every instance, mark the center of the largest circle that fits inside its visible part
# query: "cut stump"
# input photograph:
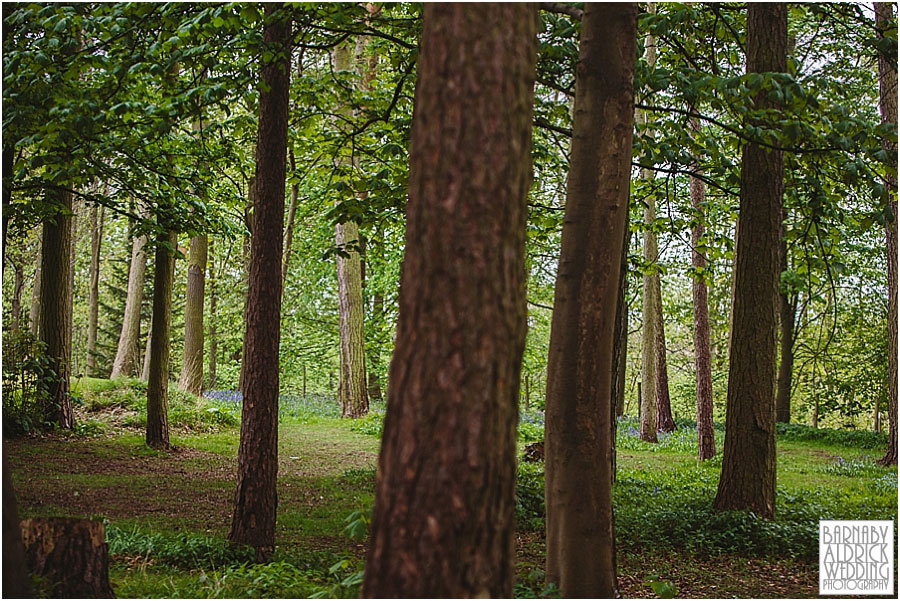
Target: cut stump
(70, 554)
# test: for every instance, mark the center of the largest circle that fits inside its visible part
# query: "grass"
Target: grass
(168, 513)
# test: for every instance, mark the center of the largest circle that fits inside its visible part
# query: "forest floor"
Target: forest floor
(167, 513)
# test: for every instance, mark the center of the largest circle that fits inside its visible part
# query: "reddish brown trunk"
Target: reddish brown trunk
(443, 523)
(158, 376)
(706, 442)
(253, 522)
(580, 532)
(887, 80)
(748, 463)
(664, 421)
(56, 306)
(70, 554)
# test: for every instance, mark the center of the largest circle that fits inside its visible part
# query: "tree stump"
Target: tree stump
(70, 553)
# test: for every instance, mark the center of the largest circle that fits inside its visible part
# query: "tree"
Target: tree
(352, 390)
(706, 440)
(664, 420)
(56, 304)
(191, 378)
(213, 339)
(580, 532)
(887, 84)
(747, 480)
(443, 522)
(90, 362)
(157, 434)
(125, 363)
(649, 338)
(253, 521)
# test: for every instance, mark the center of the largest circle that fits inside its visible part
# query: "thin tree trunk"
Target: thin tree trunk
(145, 367)
(887, 86)
(706, 441)
(253, 522)
(16, 305)
(443, 522)
(247, 241)
(648, 413)
(125, 363)
(787, 311)
(664, 420)
(620, 350)
(34, 311)
(191, 378)
(747, 481)
(56, 306)
(581, 557)
(158, 377)
(90, 361)
(213, 340)
(292, 210)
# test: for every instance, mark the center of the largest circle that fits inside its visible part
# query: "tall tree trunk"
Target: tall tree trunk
(191, 378)
(621, 349)
(16, 305)
(787, 310)
(747, 481)
(443, 522)
(887, 87)
(664, 419)
(352, 386)
(648, 413)
(706, 441)
(34, 311)
(581, 556)
(213, 339)
(158, 376)
(253, 522)
(125, 363)
(145, 366)
(56, 305)
(90, 361)
(247, 241)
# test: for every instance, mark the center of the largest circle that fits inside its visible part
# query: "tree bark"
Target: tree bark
(664, 421)
(16, 582)
(71, 554)
(352, 386)
(253, 522)
(246, 243)
(706, 441)
(580, 532)
(443, 522)
(34, 311)
(787, 311)
(158, 377)
(292, 211)
(145, 367)
(887, 86)
(213, 339)
(191, 378)
(747, 481)
(125, 363)
(648, 412)
(16, 305)
(90, 361)
(56, 306)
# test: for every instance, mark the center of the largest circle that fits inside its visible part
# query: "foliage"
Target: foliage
(529, 495)
(26, 377)
(183, 549)
(851, 438)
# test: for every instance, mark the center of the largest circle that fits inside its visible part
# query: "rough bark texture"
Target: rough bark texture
(580, 532)
(125, 363)
(90, 361)
(887, 84)
(191, 378)
(664, 420)
(16, 582)
(706, 442)
(213, 338)
(253, 522)
(443, 522)
(747, 480)
(158, 377)
(56, 306)
(71, 554)
(647, 412)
